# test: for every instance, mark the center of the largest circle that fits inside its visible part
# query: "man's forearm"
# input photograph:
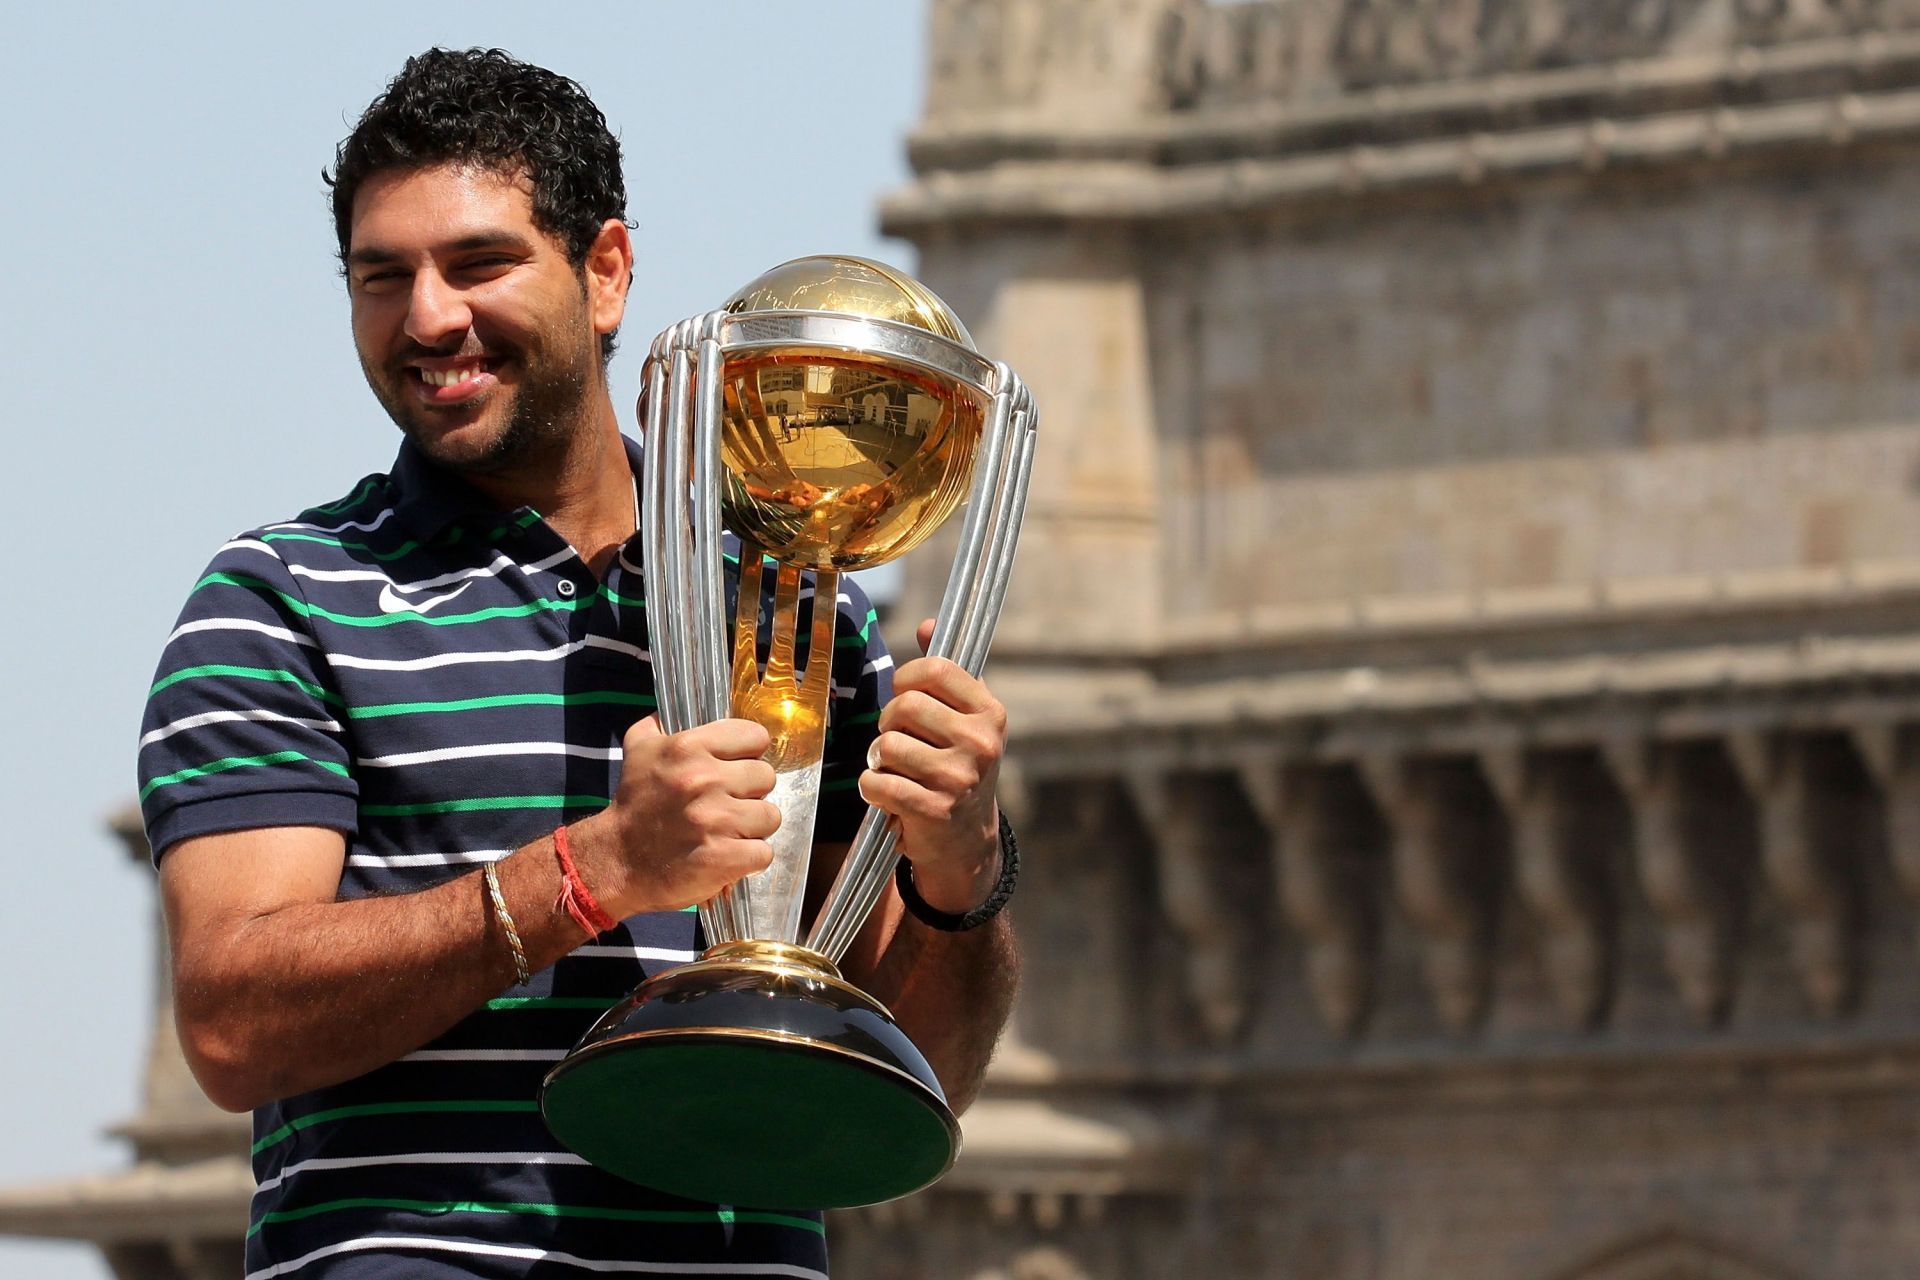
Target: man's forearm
(951, 993)
(312, 993)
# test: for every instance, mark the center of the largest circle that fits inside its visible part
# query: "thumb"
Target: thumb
(641, 730)
(924, 634)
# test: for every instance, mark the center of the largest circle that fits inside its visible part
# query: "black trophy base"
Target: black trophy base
(754, 1077)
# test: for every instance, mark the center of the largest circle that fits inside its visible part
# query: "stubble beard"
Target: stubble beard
(547, 410)
(546, 415)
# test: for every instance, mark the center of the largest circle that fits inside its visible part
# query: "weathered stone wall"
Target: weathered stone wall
(1597, 379)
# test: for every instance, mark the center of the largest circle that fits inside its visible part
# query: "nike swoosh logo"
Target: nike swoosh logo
(390, 602)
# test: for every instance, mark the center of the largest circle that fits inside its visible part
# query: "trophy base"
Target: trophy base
(754, 1077)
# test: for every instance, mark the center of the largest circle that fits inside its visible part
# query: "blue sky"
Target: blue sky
(177, 368)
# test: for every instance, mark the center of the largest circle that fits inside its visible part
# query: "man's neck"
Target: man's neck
(584, 492)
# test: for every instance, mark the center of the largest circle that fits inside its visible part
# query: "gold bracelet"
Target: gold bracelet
(506, 922)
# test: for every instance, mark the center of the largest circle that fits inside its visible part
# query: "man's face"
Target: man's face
(472, 327)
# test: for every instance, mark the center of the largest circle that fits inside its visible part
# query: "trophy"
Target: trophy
(831, 415)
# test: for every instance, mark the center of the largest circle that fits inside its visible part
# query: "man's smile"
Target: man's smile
(451, 382)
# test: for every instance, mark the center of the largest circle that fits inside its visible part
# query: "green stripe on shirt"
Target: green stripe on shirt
(236, 762)
(478, 804)
(246, 673)
(599, 1004)
(605, 697)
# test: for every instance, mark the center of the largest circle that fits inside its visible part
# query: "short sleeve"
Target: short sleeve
(243, 726)
(862, 683)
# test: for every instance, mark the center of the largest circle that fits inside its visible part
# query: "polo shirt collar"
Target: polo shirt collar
(429, 498)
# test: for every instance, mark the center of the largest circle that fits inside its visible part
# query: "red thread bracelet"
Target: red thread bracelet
(575, 898)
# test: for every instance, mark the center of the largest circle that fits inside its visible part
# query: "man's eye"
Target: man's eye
(377, 279)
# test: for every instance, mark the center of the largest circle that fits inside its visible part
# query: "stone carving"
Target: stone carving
(1211, 54)
(1321, 875)
(1447, 864)
(1560, 851)
(1887, 751)
(1686, 844)
(1804, 851)
(992, 55)
(1196, 847)
(1393, 41)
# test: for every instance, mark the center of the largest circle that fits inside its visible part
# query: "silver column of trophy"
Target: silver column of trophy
(831, 416)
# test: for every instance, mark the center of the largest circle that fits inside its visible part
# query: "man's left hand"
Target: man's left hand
(933, 767)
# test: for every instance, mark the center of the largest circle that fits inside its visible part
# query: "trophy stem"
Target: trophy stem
(780, 891)
(793, 709)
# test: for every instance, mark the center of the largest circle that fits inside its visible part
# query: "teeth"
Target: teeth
(449, 377)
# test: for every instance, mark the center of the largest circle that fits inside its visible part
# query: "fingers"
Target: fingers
(691, 813)
(907, 799)
(946, 682)
(730, 739)
(921, 715)
(952, 769)
(724, 817)
(722, 739)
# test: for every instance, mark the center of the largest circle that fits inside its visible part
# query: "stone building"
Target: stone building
(1463, 656)
(1466, 638)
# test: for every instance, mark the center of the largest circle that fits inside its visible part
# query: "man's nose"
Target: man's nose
(436, 311)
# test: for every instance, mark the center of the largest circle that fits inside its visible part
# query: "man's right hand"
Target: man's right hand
(690, 817)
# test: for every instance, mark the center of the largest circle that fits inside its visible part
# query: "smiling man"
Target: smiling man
(414, 822)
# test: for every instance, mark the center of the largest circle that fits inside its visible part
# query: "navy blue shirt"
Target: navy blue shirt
(442, 682)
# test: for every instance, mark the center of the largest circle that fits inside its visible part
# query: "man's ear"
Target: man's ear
(609, 274)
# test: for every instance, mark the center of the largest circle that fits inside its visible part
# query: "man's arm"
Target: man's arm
(933, 767)
(950, 992)
(280, 988)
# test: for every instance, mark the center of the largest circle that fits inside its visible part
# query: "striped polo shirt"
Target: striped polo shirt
(443, 681)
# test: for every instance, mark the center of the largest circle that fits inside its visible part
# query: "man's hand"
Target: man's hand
(933, 767)
(690, 817)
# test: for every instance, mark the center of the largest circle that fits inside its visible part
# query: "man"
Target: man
(383, 730)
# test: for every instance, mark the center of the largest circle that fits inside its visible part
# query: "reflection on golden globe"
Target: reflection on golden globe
(844, 461)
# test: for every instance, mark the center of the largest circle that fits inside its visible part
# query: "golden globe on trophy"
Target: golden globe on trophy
(831, 415)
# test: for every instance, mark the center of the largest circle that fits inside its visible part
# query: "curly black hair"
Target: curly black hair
(487, 108)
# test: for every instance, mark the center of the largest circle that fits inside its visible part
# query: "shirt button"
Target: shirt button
(566, 588)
